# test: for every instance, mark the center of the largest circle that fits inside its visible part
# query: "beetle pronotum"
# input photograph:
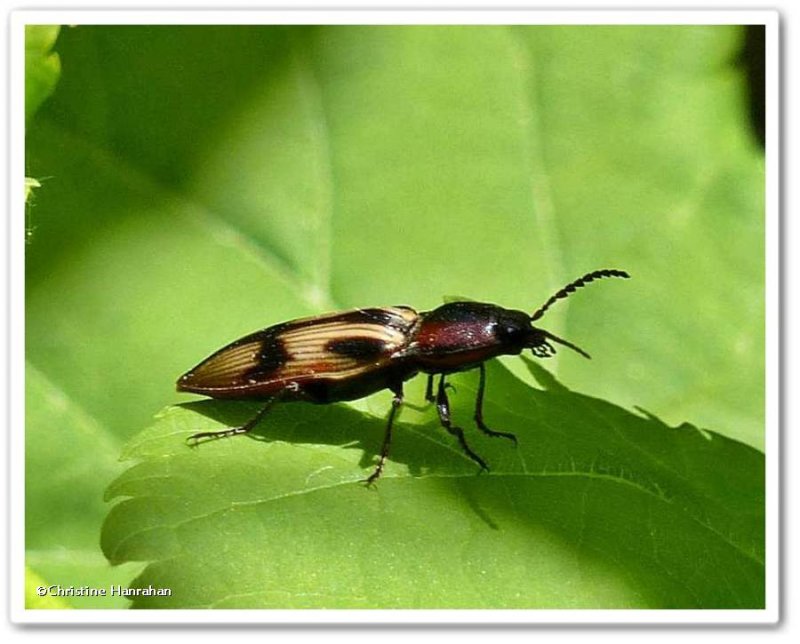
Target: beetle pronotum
(352, 354)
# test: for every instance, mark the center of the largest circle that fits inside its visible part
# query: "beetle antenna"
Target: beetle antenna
(572, 287)
(566, 343)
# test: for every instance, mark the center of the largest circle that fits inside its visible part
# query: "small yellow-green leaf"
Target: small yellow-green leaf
(30, 184)
(37, 594)
(42, 65)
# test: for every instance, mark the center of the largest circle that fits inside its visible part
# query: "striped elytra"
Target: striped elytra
(323, 349)
(351, 354)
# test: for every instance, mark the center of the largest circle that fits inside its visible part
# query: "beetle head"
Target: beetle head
(515, 331)
(538, 338)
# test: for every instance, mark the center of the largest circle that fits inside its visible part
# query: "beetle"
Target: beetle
(351, 354)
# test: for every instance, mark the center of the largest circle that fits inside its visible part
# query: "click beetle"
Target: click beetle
(351, 354)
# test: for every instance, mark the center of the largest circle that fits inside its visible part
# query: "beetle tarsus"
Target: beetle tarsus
(387, 437)
(233, 431)
(443, 407)
(225, 433)
(479, 410)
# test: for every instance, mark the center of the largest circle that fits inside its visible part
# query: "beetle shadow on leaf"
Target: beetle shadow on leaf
(295, 422)
(425, 450)
(544, 378)
(334, 425)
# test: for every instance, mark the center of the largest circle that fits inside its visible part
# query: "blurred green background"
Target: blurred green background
(198, 183)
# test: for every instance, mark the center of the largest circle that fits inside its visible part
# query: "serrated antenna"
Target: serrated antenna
(574, 286)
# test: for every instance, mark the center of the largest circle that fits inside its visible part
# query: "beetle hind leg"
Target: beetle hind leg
(479, 411)
(233, 431)
(387, 437)
(443, 407)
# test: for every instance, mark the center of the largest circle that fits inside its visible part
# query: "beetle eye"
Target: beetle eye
(510, 333)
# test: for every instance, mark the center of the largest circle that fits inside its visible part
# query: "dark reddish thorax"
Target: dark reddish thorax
(460, 335)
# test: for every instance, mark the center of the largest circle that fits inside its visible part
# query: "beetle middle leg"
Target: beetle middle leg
(429, 389)
(479, 410)
(233, 431)
(429, 397)
(443, 407)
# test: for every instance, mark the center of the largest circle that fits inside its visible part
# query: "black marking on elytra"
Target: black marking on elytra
(272, 356)
(378, 316)
(264, 336)
(362, 348)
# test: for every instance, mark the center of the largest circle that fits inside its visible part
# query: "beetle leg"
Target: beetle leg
(429, 390)
(387, 437)
(233, 431)
(479, 410)
(443, 407)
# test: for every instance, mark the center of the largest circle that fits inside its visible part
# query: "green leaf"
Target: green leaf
(42, 66)
(204, 182)
(597, 507)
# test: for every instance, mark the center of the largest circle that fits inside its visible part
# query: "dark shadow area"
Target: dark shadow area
(753, 60)
(159, 93)
(337, 425)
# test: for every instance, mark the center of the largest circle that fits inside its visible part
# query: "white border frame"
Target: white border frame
(18, 612)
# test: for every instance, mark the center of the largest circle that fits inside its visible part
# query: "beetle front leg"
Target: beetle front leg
(387, 437)
(479, 410)
(429, 390)
(443, 407)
